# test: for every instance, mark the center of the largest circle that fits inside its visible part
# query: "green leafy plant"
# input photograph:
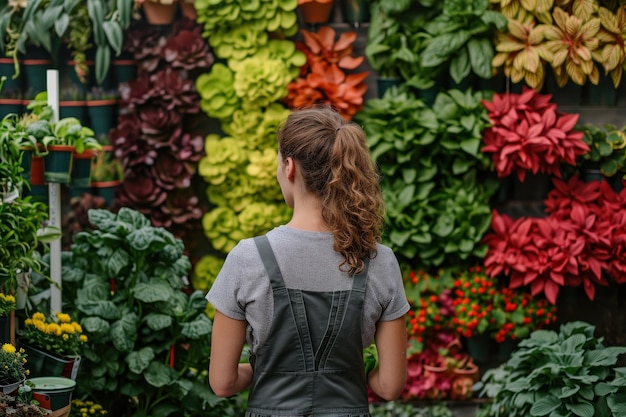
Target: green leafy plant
(437, 204)
(461, 38)
(21, 223)
(73, 22)
(607, 149)
(149, 334)
(569, 372)
(69, 131)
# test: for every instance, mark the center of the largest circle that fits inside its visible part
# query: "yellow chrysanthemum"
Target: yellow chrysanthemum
(67, 328)
(63, 318)
(39, 316)
(8, 348)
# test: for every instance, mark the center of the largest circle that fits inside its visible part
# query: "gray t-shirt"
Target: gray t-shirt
(307, 260)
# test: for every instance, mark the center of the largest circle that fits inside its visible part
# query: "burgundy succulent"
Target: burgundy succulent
(188, 50)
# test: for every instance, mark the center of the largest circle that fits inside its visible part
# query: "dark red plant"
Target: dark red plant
(156, 139)
(529, 134)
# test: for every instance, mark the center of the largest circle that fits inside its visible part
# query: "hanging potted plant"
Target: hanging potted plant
(315, 11)
(67, 137)
(158, 12)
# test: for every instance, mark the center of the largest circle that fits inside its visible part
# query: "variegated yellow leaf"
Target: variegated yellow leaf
(575, 73)
(591, 44)
(545, 54)
(516, 29)
(560, 17)
(511, 10)
(529, 5)
(605, 37)
(536, 35)
(535, 79)
(544, 6)
(612, 57)
(525, 17)
(498, 60)
(552, 33)
(517, 76)
(544, 17)
(559, 58)
(609, 20)
(583, 53)
(589, 29)
(518, 62)
(531, 60)
(616, 76)
(594, 76)
(509, 46)
(587, 67)
(572, 26)
(584, 9)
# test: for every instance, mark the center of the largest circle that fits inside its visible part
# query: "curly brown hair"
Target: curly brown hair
(336, 165)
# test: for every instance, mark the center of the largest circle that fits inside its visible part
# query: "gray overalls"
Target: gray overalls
(312, 361)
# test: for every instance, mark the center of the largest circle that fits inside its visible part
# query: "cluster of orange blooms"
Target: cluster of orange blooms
(472, 303)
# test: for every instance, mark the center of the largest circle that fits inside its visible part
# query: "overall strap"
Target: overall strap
(360, 280)
(269, 261)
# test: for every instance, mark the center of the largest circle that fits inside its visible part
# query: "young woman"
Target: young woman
(309, 296)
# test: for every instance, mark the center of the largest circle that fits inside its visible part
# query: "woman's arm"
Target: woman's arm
(226, 375)
(387, 380)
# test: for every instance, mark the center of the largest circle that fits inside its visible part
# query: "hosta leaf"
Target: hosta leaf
(159, 374)
(582, 409)
(545, 406)
(138, 361)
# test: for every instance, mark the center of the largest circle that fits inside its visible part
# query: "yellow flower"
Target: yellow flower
(8, 348)
(39, 316)
(53, 328)
(64, 318)
(83, 338)
(67, 328)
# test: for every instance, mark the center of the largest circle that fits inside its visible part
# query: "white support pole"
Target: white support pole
(54, 198)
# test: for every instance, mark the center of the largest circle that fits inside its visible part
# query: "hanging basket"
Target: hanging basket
(58, 164)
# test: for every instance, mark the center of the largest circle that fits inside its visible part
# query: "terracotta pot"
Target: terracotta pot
(157, 13)
(36, 170)
(188, 9)
(463, 379)
(315, 11)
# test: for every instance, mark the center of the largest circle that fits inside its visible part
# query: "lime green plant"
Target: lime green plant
(222, 18)
(607, 149)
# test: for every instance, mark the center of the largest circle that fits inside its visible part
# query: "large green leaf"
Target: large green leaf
(545, 406)
(152, 292)
(139, 360)
(124, 332)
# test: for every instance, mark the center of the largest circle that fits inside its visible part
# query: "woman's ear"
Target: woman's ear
(290, 166)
